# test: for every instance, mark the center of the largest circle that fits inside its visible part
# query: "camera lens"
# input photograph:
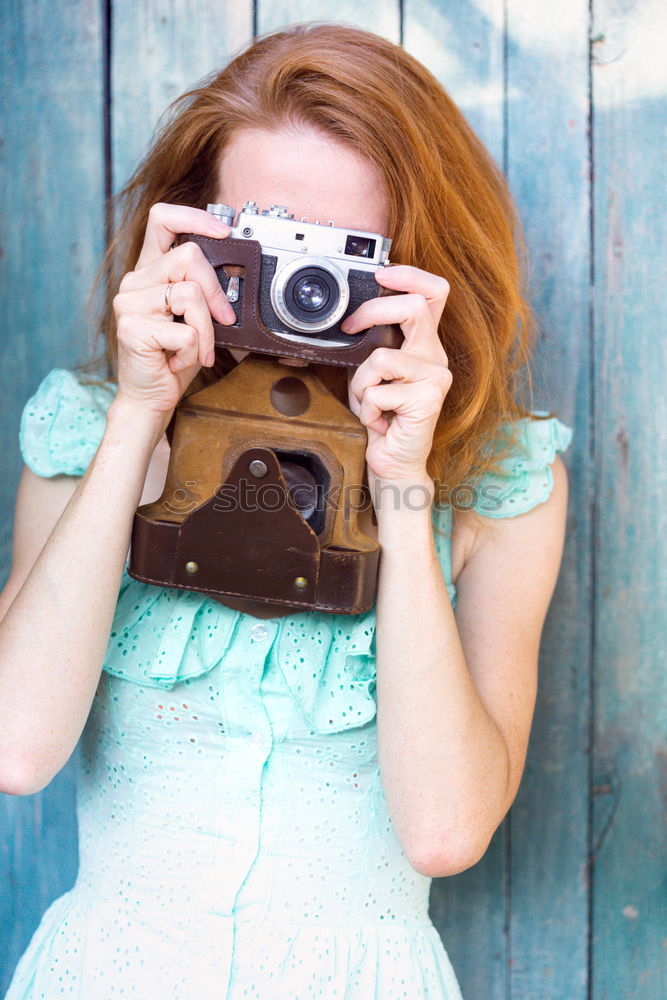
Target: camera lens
(311, 294)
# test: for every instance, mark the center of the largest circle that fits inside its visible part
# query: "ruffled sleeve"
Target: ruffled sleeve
(525, 479)
(63, 423)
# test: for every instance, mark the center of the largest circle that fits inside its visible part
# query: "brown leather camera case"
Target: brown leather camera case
(225, 524)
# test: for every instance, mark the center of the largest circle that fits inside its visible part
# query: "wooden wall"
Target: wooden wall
(570, 901)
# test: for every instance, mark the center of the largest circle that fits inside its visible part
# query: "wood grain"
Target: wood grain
(52, 209)
(548, 171)
(629, 850)
(569, 901)
(463, 46)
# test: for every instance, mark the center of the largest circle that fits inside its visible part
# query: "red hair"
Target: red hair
(451, 212)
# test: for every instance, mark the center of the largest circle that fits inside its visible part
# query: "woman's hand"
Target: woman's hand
(157, 358)
(401, 415)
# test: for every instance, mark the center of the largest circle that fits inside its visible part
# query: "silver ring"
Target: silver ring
(167, 297)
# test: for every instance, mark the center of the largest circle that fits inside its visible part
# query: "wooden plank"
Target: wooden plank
(52, 195)
(161, 48)
(547, 168)
(462, 44)
(52, 188)
(630, 657)
(380, 16)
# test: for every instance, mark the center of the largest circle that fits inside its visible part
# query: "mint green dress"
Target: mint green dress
(234, 838)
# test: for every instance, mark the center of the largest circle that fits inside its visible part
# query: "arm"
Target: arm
(58, 604)
(456, 691)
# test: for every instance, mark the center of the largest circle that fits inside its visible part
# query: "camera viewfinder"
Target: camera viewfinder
(359, 246)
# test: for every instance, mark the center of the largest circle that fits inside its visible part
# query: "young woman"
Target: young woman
(263, 801)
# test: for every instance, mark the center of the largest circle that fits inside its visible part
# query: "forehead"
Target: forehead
(312, 174)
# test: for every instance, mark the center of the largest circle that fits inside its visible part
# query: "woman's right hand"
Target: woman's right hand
(157, 358)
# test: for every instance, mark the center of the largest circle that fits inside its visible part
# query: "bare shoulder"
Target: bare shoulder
(542, 525)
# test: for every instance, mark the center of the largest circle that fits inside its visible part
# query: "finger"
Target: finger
(405, 399)
(186, 299)
(166, 221)
(377, 401)
(411, 312)
(141, 335)
(184, 263)
(386, 363)
(404, 278)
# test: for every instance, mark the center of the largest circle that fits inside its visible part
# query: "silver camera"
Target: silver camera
(313, 275)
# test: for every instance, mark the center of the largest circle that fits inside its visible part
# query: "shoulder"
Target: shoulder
(512, 553)
(525, 501)
(63, 422)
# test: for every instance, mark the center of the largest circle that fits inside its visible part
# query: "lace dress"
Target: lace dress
(234, 838)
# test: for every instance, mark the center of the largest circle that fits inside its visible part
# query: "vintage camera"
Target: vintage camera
(312, 275)
(260, 500)
(293, 282)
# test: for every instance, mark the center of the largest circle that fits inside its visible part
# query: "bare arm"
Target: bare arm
(456, 690)
(59, 602)
(57, 612)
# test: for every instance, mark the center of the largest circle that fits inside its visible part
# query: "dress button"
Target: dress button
(259, 632)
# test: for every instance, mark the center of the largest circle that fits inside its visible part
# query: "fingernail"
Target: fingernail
(222, 227)
(346, 327)
(229, 314)
(210, 358)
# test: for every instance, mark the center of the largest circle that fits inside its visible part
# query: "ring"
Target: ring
(167, 296)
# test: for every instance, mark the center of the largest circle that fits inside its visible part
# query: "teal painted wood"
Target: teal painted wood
(629, 904)
(534, 876)
(160, 48)
(51, 160)
(380, 16)
(463, 45)
(52, 168)
(548, 172)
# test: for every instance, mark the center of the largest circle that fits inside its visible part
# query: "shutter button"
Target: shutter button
(259, 632)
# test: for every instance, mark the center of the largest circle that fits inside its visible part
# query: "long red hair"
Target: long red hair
(451, 212)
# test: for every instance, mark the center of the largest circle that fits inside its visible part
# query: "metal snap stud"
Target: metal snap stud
(258, 468)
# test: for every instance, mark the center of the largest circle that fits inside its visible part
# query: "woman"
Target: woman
(263, 801)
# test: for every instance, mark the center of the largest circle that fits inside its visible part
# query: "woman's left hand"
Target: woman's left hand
(418, 375)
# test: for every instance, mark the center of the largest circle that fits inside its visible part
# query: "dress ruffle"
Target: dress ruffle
(62, 424)
(161, 637)
(526, 478)
(328, 662)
